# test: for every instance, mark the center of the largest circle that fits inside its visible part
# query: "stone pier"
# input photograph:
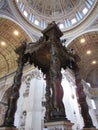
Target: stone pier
(8, 128)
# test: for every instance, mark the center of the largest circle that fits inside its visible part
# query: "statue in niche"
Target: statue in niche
(23, 119)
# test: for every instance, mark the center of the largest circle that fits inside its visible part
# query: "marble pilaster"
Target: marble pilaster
(59, 125)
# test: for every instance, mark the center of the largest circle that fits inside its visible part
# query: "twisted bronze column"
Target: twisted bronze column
(58, 112)
(48, 98)
(82, 101)
(12, 103)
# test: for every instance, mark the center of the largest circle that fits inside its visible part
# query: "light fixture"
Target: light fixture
(93, 103)
(85, 10)
(73, 21)
(3, 43)
(88, 52)
(94, 62)
(82, 40)
(16, 33)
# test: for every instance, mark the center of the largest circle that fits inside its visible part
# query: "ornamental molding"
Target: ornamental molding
(69, 75)
(4, 8)
(2, 2)
(35, 73)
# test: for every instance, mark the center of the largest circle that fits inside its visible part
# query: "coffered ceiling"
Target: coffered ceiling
(86, 46)
(67, 13)
(87, 49)
(11, 36)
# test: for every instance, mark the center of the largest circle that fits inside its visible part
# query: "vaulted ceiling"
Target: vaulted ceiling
(68, 13)
(12, 35)
(86, 46)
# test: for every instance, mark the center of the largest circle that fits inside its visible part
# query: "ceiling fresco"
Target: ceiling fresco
(40, 13)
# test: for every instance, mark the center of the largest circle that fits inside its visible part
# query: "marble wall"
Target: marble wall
(30, 106)
(32, 93)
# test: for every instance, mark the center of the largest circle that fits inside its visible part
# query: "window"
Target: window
(93, 104)
(68, 22)
(73, 21)
(85, 10)
(25, 13)
(21, 6)
(36, 22)
(61, 26)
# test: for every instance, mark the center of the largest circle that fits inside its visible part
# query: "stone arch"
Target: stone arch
(17, 23)
(78, 35)
(6, 95)
(92, 78)
(3, 104)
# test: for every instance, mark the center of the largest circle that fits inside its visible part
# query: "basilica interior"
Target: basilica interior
(26, 20)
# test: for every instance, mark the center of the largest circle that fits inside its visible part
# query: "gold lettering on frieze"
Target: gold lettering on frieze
(94, 93)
